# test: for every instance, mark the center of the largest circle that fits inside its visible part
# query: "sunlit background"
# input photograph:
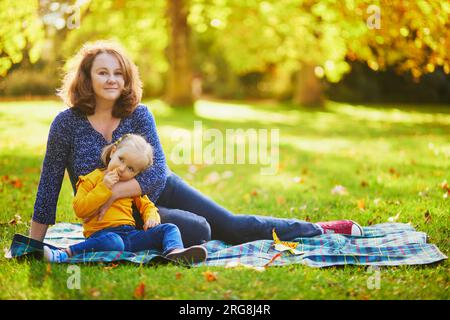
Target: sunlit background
(298, 51)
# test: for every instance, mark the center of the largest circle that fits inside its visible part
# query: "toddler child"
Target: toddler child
(116, 231)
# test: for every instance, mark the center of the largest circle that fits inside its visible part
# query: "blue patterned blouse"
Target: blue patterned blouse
(73, 144)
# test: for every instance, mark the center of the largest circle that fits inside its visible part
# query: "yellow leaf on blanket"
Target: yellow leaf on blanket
(281, 247)
(284, 245)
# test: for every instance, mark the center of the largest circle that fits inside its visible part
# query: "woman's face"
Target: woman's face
(107, 77)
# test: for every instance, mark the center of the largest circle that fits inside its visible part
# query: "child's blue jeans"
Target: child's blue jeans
(164, 237)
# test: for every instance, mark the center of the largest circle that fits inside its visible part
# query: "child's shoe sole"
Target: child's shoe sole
(192, 254)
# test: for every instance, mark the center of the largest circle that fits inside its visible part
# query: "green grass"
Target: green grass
(393, 157)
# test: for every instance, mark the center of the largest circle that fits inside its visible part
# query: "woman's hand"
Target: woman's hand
(150, 223)
(111, 178)
(119, 190)
(105, 207)
(100, 213)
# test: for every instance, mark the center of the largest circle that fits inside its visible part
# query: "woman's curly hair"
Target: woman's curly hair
(77, 92)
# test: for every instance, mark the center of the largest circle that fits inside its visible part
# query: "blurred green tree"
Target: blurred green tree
(293, 43)
(308, 40)
(21, 29)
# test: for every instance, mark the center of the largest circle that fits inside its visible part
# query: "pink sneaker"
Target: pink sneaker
(348, 227)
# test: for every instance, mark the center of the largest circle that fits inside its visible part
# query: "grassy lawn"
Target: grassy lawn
(392, 160)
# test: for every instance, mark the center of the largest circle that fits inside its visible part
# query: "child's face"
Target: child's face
(127, 163)
(107, 77)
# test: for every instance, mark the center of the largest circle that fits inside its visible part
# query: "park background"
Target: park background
(360, 91)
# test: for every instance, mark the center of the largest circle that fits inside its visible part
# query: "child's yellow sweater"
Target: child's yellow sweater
(92, 193)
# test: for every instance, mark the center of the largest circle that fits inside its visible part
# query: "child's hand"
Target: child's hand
(150, 223)
(111, 178)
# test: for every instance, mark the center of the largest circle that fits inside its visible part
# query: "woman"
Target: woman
(103, 91)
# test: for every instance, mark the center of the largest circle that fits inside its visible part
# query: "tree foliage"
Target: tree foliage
(413, 35)
(278, 37)
(21, 29)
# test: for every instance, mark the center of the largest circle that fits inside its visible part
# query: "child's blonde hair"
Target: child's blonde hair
(134, 141)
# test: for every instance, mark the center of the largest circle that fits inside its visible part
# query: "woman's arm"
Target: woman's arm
(153, 180)
(125, 189)
(90, 197)
(52, 175)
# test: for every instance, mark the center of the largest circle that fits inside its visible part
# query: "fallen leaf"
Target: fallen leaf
(298, 180)
(394, 172)
(139, 291)
(17, 220)
(273, 259)
(210, 276)
(281, 200)
(212, 178)
(48, 269)
(395, 218)
(17, 183)
(284, 245)
(361, 203)
(339, 190)
(424, 193)
(227, 295)
(376, 201)
(7, 252)
(427, 216)
(94, 292)
(112, 266)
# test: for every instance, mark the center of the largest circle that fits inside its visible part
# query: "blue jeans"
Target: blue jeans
(201, 219)
(164, 237)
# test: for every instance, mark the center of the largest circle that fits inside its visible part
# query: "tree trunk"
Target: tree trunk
(308, 89)
(179, 86)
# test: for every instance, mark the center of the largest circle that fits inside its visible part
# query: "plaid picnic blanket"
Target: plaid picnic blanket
(387, 244)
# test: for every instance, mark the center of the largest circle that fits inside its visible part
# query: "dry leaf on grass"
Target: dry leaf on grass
(427, 216)
(395, 218)
(210, 276)
(281, 200)
(339, 190)
(361, 203)
(139, 291)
